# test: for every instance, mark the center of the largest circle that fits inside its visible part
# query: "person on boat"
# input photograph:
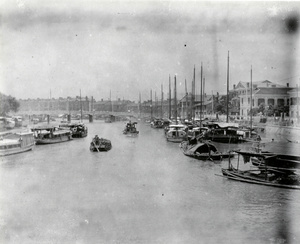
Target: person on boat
(96, 140)
(193, 141)
(128, 126)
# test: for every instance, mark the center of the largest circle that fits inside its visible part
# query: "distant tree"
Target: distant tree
(7, 104)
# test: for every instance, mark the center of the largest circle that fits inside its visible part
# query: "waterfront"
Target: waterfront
(144, 190)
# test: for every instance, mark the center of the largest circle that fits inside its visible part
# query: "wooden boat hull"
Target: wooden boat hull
(234, 175)
(12, 151)
(175, 139)
(217, 156)
(102, 146)
(52, 140)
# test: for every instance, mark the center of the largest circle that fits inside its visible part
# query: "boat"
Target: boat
(7, 123)
(265, 168)
(100, 144)
(18, 121)
(176, 133)
(51, 134)
(13, 143)
(130, 129)
(78, 130)
(225, 133)
(203, 150)
(246, 134)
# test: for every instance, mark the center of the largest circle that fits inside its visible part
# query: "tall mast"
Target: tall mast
(155, 103)
(201, 98)
(175, 99)
(80, 107)
(193, 93)
(162, 100)
(140, 104)
(186, 101)
(203, 92)
(170, 96)
(227, 102)
(151, 104)
(251, 98)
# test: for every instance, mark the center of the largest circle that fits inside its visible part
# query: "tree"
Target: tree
(7, 104)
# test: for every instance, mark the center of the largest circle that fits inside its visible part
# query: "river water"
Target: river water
(144, 190)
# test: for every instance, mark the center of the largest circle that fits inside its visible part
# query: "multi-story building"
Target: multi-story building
(263, 92)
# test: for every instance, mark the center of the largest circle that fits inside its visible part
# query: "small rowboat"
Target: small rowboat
(100, 144)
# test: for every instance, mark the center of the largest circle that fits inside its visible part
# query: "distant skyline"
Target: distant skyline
(130, 48)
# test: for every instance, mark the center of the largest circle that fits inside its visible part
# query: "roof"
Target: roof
(259, 84)
(272, 90)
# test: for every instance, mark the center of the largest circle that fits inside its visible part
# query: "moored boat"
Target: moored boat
(78, 130)
(100, 144)
(130, 129)
(13, 143)
(203, 150)
(265, 169)
(176, 133)
(51, 134)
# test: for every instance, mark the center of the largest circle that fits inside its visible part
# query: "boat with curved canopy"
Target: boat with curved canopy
(203, 150)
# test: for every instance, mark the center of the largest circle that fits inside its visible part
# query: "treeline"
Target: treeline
(8, 104)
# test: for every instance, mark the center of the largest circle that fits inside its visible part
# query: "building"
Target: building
(263, 92)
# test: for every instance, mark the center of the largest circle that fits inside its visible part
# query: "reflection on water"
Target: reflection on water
(144, 190)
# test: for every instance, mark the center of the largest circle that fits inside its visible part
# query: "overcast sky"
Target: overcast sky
(65, 46)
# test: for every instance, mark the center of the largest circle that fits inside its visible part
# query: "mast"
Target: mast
(140, 104)
(162, 100)
(170, 96)
(201, 91)
(186, 101)
(175, 99)
(227, 102)
(297, 103)
(151, 104)
(80, 107)
(251, 98)
(212, 100)
(193, 95)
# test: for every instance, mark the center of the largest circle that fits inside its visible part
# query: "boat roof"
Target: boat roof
(6, 142)
(44, 127)
(203, 145)
(177, 126)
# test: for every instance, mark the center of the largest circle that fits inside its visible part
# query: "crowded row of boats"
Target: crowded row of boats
(195, 139)
(255, 165)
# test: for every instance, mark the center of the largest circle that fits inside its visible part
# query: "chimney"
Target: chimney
(233, 87)
(248, 84)
(287, 85)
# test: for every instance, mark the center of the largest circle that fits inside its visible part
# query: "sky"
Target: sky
(125, 48)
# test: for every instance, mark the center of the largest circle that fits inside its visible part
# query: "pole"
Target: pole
(227, 102)
(162, 100)
(201, 79)
(151, 104)
(251, 98)
(170, 110)
(186, 101)
(175, 99)
(80, 107)
(297, 104)
(193, 93)
(212, 99)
